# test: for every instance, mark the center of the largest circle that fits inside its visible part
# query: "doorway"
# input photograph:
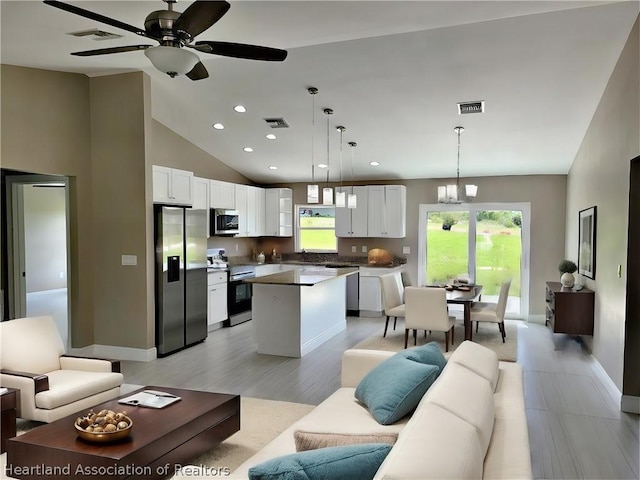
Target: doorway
(480, 243)
(38, 245)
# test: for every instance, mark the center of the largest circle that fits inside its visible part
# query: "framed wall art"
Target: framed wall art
(587, 242)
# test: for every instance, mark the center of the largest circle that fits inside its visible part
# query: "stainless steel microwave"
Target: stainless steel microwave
(224, 222)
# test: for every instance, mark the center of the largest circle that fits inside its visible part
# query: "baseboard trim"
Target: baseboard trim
(541, 319)
(630, 404)
(116, 353)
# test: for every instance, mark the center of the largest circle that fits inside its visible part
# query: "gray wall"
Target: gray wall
(600, 176)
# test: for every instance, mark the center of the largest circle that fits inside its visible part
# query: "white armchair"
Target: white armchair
(52, 385)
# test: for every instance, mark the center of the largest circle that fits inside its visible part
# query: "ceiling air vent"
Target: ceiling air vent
(277, 122)
(470, 107)
(95, 34)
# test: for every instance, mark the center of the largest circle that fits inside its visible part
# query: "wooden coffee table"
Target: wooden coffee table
(160, 440)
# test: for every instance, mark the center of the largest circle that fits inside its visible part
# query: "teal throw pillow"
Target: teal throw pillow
(349, 462)
(395, 387)
(430, 354)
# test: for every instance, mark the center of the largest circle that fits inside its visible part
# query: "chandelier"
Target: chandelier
(450, 193)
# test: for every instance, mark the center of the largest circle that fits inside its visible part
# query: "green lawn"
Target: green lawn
(498, 255)
(318, 239)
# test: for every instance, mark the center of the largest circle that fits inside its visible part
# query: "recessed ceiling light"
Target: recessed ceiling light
(322, 165)
(374, 164)
(239, 109)
(272, 167)
(271, 136)
(218, 126)
(248, 149)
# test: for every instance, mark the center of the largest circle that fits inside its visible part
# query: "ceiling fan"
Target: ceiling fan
(174, 31)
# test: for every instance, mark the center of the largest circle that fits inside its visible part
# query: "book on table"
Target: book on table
(150, 399)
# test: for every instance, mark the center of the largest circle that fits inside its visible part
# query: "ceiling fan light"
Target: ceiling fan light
(172, 60)
(471, 190)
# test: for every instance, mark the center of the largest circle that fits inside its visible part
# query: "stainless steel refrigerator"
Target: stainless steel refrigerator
(181, 277)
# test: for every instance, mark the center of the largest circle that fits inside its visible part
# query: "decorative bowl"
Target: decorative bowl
(102, 436)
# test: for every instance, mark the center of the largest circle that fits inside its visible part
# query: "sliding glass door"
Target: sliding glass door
(484, 244)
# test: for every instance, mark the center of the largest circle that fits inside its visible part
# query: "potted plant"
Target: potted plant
(567, 269)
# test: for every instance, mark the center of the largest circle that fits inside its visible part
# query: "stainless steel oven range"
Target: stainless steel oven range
(239, 295)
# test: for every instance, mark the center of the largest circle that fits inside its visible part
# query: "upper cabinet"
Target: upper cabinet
(279, 212)
(241, 192)
(201, 196)
(255, 211)
(387, 211)
(222, 195)
(352, 222)
(172, 186)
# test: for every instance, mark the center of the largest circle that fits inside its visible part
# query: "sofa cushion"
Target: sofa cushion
(30, 345)
(394, 388)
(342, 413)
(468, 396)
(478, 359)
(429, 354)
(351, 462)
(68, 386)
(314, 440)
(435, 445)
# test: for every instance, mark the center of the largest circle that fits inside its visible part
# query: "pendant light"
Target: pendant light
(352, 199)
(327, 192)
(341, 195)
(313, 194)
(450, 193)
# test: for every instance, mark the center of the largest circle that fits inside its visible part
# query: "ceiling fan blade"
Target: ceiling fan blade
(200, 16)
(97, 17)
(106, 51)
(198, 72)
(242, 50)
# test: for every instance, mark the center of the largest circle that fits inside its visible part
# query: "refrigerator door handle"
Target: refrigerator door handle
(173, 269)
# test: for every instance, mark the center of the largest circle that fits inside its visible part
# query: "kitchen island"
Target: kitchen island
(296, 311)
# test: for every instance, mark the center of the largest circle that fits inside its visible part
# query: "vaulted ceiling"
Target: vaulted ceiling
(392, 71)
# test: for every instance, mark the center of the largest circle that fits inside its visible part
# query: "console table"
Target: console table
(569, 311)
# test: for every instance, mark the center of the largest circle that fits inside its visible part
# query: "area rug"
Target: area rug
(488, 336)
(260, 422)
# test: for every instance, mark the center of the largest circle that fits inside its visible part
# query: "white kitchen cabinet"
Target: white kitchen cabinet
(279, 212)
(370, 301)
(352, 222)
(255, 211)
(222, 195)
(387, 211)
(217, 298)
(172, 186)
(201, 197)
(241, 193)
(250, 205)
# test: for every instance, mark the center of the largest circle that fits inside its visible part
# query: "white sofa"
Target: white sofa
(470, 424)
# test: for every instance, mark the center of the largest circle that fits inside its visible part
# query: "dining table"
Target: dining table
(463, 295)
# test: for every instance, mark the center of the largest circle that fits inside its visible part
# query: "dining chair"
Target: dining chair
(391, 285)
(426, 309)
(492, 312)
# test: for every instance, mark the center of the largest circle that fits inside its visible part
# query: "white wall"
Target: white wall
(45, 233)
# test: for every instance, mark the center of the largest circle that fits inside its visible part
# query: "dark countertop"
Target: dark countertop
(302, 277)
(320, 260)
